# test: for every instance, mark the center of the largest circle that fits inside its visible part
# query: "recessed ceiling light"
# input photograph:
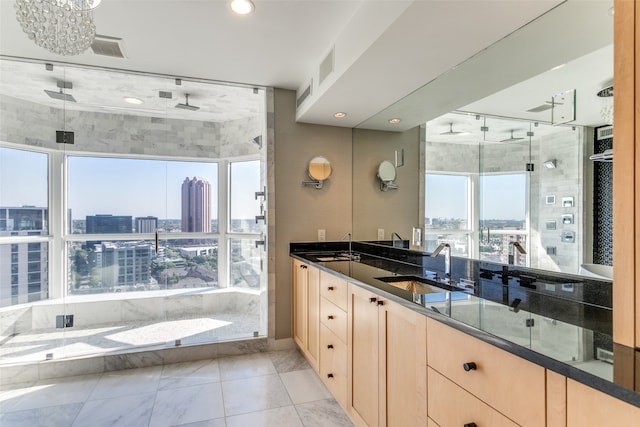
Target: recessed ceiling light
(134, 101)
(242, 7)
(394, 121)
(340, 115)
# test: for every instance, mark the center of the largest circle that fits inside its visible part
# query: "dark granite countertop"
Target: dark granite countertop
(500, 308)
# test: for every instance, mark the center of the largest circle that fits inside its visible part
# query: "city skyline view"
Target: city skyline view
(135, 187)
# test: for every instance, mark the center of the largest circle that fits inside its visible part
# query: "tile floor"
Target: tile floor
(264, 389)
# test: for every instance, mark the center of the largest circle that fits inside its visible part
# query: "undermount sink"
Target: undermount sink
(333, 258)
(411, 284)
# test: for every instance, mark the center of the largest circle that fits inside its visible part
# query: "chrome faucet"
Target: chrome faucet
(447, 259)
(347, 235)
(517, 246)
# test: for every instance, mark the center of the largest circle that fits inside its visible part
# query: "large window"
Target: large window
(244, 205)
(24, 226)
(135, 198)
(115, 196)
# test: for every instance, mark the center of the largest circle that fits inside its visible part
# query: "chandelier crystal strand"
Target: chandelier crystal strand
(64, 27)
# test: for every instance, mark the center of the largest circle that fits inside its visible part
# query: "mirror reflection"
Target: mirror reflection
(318, 169)
(505, 168)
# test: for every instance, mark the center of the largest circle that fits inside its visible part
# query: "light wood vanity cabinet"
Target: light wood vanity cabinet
(387, 362)
(507, 383)
(333, 335)
(306, 310)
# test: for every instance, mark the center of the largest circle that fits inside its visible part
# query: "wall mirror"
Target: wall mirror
(387, 175)
(481, 180)
(318, 169)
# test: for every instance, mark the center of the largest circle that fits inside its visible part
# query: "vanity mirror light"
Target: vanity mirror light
(387, 175)
(319, 169)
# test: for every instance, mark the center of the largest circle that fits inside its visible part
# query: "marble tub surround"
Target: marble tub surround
(112, 323)
(285, 392)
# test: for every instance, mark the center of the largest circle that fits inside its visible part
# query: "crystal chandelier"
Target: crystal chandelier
(64, 27)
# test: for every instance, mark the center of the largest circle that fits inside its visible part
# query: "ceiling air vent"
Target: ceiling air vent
(604, 132)
(326, 66)
(304, 94)
(108, 46)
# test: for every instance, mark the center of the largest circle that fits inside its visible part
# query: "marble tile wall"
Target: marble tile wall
(31, 124)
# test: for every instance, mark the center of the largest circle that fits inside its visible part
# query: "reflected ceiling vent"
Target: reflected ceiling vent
(304, 94)
(60, 95)
(108, 46)
(540, 108)
(326, 66)
(165, 94)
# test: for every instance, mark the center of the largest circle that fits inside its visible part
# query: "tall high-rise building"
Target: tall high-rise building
(196, 205)
(24, 273)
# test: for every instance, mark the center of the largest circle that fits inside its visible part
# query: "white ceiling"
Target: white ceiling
(388, 55)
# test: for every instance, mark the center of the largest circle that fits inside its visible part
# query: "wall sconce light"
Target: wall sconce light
(550, 164)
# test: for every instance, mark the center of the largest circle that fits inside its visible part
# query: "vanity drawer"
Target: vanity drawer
(334, 289)
(333, 364)
(450, 405)
(334, 318)
(508, 383)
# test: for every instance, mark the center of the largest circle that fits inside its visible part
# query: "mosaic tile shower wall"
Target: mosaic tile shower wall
(603, 206)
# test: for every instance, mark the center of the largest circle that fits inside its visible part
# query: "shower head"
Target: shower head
(512, 138)
(186, 105)
(61, 95)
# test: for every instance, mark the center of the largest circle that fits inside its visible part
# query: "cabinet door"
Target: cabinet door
(589, 407)
(300, 276)
(363, 357)
(313, 317)
(403, 360)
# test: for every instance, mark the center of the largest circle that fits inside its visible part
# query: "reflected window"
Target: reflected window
(503, 217)
(447, 202)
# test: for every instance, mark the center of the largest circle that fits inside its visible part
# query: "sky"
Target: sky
(153, 188)
(123, 186)
(502, 196)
